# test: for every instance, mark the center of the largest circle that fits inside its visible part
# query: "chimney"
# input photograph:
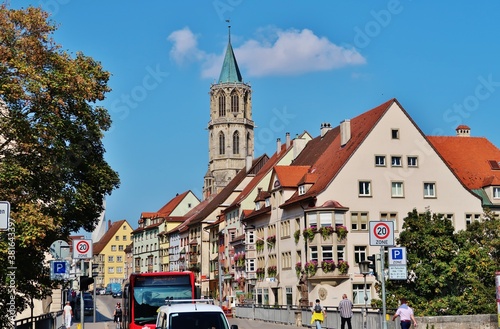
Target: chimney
(298, 146)
(463, 131)
(288, 140)
(278, 146)
(109, 224)
(248, 163)
(325, 127)
(345, 132)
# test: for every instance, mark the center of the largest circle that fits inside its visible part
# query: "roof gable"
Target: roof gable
(325, 154)
(469, 158)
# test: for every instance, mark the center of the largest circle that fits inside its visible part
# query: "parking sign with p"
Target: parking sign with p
(397, 256)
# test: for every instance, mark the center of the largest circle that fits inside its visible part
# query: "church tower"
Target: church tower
(230, 129)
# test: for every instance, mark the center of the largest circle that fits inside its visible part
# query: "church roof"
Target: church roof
(230, 72)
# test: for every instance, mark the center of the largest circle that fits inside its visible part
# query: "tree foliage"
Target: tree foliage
(449, 272)
(52, 167)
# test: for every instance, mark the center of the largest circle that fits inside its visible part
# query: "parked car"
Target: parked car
(88, 305)
(117, 294)
(101, 291)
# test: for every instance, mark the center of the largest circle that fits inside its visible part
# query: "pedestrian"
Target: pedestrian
(117, 315)
(68, 313)
(345, 310)
(318, 314)
(405, 312)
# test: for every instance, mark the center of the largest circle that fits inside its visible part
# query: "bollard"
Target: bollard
(79, 326)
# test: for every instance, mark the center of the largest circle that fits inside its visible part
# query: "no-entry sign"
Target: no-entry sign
(382, 233)
(82, 249)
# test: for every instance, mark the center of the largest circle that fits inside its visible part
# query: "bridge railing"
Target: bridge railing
(53, 320)
(297, 316)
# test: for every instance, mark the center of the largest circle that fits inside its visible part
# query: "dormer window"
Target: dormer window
(268, 202)
(496, 192)
(257, 205)
(302, 190)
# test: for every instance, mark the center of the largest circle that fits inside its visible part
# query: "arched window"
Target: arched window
(234, 102)
(222, 144)
(236, 143)
(222, 105)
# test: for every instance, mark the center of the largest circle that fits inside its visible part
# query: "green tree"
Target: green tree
(52, 167)
(449, 272)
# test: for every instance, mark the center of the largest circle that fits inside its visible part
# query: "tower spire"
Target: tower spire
(230, 72)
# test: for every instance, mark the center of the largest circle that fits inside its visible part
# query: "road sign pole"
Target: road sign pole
(382, 274)
(82, 309)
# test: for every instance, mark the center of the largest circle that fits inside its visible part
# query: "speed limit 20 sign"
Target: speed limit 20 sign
(82, 249)
(382, 233)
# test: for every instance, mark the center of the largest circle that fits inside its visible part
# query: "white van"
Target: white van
(192, 314)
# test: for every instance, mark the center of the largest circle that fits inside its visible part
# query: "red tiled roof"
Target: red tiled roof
(223, 195)
(290, 176)
(190, 216)
(325, 155)
(268, 166)
(469, 158)
(172, 204)
(99, 245)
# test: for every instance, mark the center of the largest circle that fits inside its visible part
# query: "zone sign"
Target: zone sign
(382, 233)
(82, 249)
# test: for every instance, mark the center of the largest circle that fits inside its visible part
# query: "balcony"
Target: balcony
(333, 278)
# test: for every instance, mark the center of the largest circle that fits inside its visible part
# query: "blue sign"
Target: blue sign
(59, 267)
(397, 256)
(397, 253)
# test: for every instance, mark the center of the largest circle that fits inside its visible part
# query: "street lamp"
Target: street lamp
(364, 269)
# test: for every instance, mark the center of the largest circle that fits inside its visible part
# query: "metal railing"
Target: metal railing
(301, 317)
(53, 320)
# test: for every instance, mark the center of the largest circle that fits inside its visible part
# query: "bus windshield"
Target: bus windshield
(151, 292)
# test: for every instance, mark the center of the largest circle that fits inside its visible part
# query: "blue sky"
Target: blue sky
(307, 62)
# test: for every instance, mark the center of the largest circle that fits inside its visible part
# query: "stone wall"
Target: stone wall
(486, 321)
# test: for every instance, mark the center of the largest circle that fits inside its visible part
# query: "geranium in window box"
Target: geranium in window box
(311, 267)
(296, 236)
(341, 231)
(343, 267)
(326, 232)
(309, 233)
(271, 240)
(298, 269)
(272, 271)
(259, 245)
(328, 265)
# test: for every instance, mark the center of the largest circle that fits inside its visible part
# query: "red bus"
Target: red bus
(144, 293)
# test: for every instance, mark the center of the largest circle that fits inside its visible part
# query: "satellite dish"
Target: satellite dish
(59, 249)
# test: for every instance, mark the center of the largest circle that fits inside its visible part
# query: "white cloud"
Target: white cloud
(185, 46)
(290, 52)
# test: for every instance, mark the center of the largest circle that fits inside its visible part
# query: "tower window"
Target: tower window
(234, 103)
(236, 143)
(222, 105)
(222, 144)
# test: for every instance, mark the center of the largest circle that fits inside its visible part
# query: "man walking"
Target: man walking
(406, 313)
(345, 309)
(68, 313)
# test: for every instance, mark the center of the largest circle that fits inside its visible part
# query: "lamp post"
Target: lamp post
(363, 268)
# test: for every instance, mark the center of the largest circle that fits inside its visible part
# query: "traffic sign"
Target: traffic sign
(397, 272)
(382, 233)
(82, 249)
(4, 215)
(397, 256)
(59, 270)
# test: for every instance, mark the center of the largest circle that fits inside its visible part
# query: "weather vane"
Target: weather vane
(229, 29)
